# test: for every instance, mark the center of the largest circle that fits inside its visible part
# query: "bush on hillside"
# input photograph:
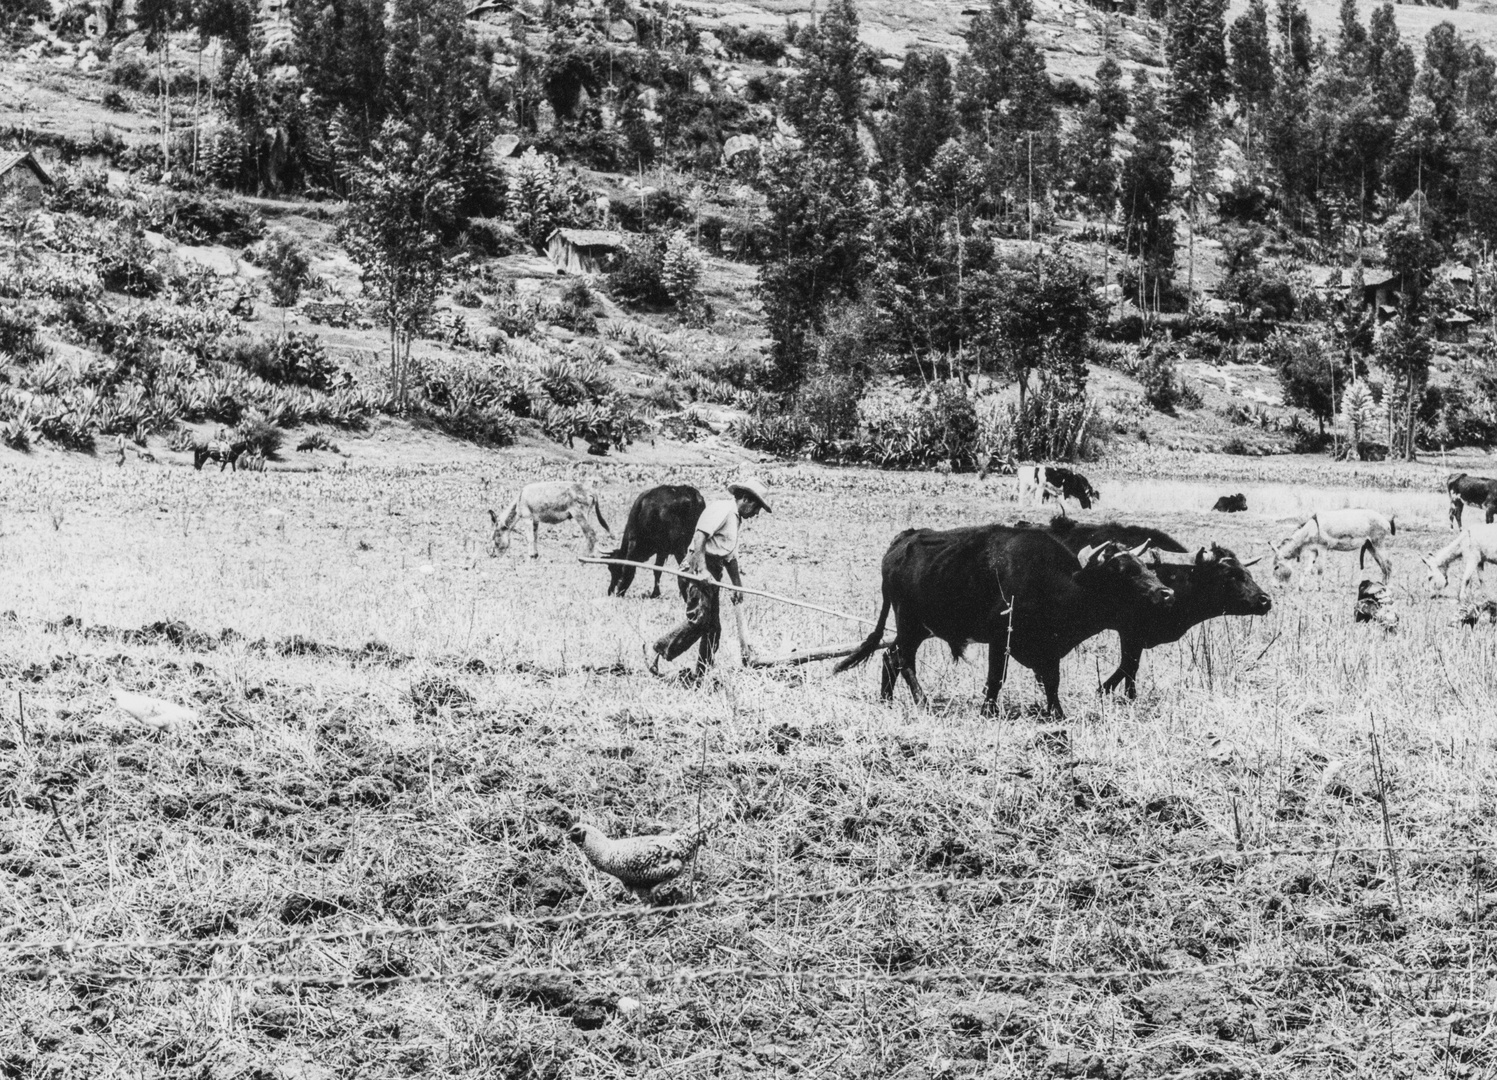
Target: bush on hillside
(1457, 414)
(289, 359)
(259, 435)
(130, 266)
(765, 46)
(1164, 388)
(895, 428)
(81, 191)
(284, 258)
(1054, 425)
(20, 336)
(130, 74)
(636, 277)
(190, 218)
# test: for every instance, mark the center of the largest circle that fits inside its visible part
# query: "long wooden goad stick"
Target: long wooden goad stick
(725, 585)
(750, 655)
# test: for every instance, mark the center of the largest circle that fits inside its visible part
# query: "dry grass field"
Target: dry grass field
(1219, 880)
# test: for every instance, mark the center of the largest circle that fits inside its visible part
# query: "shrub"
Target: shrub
(196, 219)
(1303, 439)
(19, 426)
(765, 46)
(287, 359)
(681, 273)
(493, 239)
(827, 405)
(542, 197)
(81, 191)
(259, 435)
(129, 266)
(1055, 425)
(1164, 389)
(1456, 415)
(19, 336)
(657, 210)
(483, 427)
(1070, 93)
(637, 274)
(578, 319)
(286, 261)
(131, 74)
(939, 424)
(577, 293)
(511, 314)
(1312, 372)
(774, 431)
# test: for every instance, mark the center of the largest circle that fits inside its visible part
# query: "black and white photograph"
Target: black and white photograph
(476, 478)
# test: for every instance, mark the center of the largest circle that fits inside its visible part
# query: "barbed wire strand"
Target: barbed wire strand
(512, 923)
(684, 975)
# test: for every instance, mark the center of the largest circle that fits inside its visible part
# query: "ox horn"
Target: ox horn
(1089, 554)
(1252, 562)
(1138, 552)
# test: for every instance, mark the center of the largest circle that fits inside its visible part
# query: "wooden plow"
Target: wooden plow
(750, 655)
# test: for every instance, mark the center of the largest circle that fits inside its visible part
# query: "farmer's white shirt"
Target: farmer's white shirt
(720, 522)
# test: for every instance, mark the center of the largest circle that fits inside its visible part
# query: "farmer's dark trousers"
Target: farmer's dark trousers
(702, 623)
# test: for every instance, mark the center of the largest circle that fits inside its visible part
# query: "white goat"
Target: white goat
(1475, 544)
(1338, 530)
(551, 502)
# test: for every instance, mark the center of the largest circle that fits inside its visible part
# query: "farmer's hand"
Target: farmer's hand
(694, 556)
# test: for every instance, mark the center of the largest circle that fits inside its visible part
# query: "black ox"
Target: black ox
(974, 584)
(1466, 490)
(1231, 504)
(660, 523)
(1214, 583)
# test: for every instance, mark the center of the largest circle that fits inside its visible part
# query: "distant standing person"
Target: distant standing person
(715, 544)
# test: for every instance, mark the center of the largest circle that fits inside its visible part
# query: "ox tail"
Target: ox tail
(598, 509)
(869, 646)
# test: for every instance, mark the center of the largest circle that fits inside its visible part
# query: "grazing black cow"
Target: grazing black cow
(972, 585)
(1231, 504)
(1469, 490)
(1047, 481)
(660, 523)
(1216, 583)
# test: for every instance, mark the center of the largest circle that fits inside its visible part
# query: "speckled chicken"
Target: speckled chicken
(641, 863)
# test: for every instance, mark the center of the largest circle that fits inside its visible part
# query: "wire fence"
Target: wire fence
(497, 974)
(511, 923)
(54, 958)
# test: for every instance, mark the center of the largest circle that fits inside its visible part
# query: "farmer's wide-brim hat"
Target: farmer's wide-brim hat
(754, 488)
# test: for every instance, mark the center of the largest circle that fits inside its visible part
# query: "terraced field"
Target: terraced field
(352, 861)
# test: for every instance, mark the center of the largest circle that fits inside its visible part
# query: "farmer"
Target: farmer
(715, 543)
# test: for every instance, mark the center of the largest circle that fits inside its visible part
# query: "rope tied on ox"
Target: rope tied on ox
(751, 658)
